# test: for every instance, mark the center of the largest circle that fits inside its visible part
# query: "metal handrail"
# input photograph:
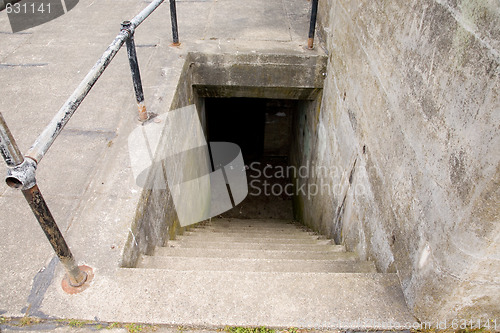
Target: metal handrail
(50, 133)
(21, 171)
(312, 24)
(173, 16)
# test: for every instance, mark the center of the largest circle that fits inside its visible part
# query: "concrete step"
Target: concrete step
(250, 246)
(226, 223)
(251, 235)
(206, 237)
(263, 231)
(246, 227)
(254, 273)
(255, 265)
(336, 254)
(249, 221)
(219, 298)
(275, 231)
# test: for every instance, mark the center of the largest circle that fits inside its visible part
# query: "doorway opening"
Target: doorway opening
(262, 128)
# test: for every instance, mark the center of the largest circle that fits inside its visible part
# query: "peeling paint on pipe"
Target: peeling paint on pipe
(139, 18)
(22, 175)
(136, 74)
(22, 170)
(173, 18)
(50, 133)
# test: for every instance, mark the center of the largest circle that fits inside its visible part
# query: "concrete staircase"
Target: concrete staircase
(275, 273)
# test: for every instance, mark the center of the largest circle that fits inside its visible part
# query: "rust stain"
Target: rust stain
(310, 43)
(143, 114)
(68, 288)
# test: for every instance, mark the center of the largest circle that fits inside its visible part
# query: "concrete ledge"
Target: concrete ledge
(247, 299)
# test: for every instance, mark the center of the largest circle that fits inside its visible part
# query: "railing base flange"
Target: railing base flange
(151, 116)
(69, 289)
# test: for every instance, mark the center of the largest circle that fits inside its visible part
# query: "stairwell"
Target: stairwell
(276, 273)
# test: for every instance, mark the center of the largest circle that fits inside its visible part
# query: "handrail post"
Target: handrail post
(173, 18)
(21, 174)
(312, 24)
(134, 69)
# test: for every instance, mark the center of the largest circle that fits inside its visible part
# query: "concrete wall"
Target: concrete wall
(409, 131)
(156, 220)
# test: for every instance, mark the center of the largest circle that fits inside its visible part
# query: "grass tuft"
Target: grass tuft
(237, 329)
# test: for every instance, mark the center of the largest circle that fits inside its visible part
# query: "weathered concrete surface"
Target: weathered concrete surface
(38, 329)
(257, 265)
(131, 328)
(86, 176)
(253, 298)
(408, 128)
(40, 69)
(284, 75)
(408, 117)
(331, 254)
(228, 258)
(258, 76)
(252, 292)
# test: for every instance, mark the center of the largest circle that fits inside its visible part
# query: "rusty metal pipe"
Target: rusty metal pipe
(173, 18)
(21, 174)
(312, 24)
(136, 74)
(50, 133)
(44, 217)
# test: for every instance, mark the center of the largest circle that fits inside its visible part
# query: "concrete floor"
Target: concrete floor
(93, 202)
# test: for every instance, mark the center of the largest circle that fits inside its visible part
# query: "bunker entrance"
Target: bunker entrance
(266, 103)
(262, 128)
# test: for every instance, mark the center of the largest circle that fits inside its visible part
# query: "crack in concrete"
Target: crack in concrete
(24, 65)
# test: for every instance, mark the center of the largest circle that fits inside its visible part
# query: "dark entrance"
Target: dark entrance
(262, 128)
